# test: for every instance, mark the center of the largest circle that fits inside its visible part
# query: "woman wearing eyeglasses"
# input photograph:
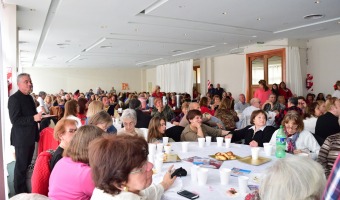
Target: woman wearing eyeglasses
(129, 119)
(63, 132)
(298, 139)
(120, 169)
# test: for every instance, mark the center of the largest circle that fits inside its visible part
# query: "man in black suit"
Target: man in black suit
(143, 120)
(24, 133)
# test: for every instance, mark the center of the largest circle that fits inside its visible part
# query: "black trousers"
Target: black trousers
(23, 160)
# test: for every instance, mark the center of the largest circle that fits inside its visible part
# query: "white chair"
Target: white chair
(145, 132)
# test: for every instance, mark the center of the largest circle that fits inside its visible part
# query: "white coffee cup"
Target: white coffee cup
(152, 149)
(165, 140)
(159, 147)
(185, 147)
(201, 142)
(255, 153)
(202, 176)
(167, 149)
(227, 142)
(267, 149)
(243, 184)
(193, 171)
(224, 176)
(208, 140)
(158, 165)
(120, 110)
(219, 141)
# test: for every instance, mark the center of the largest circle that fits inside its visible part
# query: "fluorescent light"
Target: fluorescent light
(148, 61)
(154, 6)
(94, 45)
(193, 51)
(306, 25)
(72, 59)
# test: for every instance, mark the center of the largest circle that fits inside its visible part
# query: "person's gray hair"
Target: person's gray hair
(42, 93)
(252, 101)
(22, 75)
(293, 177)
(129, 114)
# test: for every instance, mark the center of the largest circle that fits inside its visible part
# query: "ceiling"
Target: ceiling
(128, 33)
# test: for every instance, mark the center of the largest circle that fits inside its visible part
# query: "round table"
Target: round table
(213, 189)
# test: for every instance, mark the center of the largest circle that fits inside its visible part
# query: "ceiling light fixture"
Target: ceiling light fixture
(72, 59)
(154, 6)
(307, 25)
(140, 63)
(224, 13)
(314, 16)
(317, 2)
(193, 51)
(258, 19)
(94, 45)
(105, 47)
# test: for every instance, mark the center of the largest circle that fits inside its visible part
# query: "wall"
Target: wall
(52, 80)
(324, 63)
(151, 77)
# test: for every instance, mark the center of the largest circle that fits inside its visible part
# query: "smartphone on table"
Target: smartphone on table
(187, 194)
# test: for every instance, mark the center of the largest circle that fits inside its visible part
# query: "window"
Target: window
(266, 65)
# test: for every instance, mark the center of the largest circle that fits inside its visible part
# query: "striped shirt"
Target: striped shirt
(332, 190)
(329, 152)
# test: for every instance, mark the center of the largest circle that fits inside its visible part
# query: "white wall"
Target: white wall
(52, 80)
(324, 63)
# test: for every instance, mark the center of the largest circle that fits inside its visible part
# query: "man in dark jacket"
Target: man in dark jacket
(24, 133)
(142, 119)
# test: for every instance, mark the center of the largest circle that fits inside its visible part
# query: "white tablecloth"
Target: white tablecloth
(213, 189)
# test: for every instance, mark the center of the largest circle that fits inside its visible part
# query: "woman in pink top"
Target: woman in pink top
(263, 92)
(71, 176)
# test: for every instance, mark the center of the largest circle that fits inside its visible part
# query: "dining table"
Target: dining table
(213, 188)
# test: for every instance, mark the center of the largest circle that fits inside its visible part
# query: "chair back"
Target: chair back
(174, 133)
(145, 132)
(41, 173)
(47, 140)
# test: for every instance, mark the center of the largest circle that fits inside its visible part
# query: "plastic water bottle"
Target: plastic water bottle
(280, 143)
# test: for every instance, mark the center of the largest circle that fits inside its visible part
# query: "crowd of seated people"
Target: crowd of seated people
(311, 124)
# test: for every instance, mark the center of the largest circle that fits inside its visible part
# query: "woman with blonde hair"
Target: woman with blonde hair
(71, 177)
(63, 132)
(104, 121)
(94, 107)
(71, 111)
(157, 128)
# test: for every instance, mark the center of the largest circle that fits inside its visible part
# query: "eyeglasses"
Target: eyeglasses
(71, 130)
(140, 170)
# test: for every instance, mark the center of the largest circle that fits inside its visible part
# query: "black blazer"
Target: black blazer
(143, 120)
(24, 131)
(248, 135)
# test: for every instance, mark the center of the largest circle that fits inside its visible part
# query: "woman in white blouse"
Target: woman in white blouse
(298, 139)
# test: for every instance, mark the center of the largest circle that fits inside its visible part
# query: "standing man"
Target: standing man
(218, 90)
(24, 134)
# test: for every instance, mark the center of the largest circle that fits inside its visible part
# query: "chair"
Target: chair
(41, 173)
(47, 140)
(145, 132)
(174, 133)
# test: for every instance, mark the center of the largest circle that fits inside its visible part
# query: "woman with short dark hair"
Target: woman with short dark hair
(120, 169)
(256, 134)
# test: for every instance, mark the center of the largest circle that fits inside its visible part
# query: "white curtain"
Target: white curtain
(176, 77)
(293, 71)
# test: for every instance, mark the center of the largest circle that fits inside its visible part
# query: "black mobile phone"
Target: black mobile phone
(187, 194)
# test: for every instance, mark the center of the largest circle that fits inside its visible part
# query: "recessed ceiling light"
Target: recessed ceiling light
(314, 16)
(106, 47)
(317, 2)
(185, 34)
(224, 13)
(338, 22)
(258, 19)
(32, 9)
(176, 51)
(254, 36)
(181, 6)
(62, 44)
(225, 43)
